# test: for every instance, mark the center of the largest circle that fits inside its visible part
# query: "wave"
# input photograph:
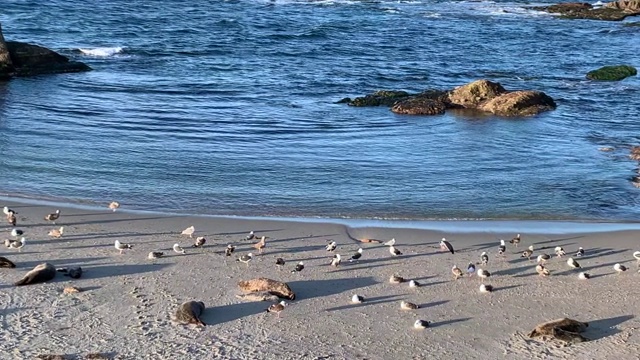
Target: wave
(102, 51)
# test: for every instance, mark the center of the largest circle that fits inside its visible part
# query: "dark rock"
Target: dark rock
(635, 153)
(419, 106)
(616, 12)
(378, 98)
(612, 73)
(29, 60)
(519, 103)
(344, 100)
(6, 66)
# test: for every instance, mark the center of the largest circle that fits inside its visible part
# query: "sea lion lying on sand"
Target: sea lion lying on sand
(41, 273)
(189, 313)
(564, 329)
(258, 296)
(280, 289)
(6, 263)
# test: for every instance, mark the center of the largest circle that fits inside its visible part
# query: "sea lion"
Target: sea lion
(41, 273)
(189, 313)
(74, 272)
(258, 296)
(567, 336)
(565, 324)
(6, 263)
(280, 289)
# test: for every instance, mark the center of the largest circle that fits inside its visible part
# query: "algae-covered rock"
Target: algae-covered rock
(612, 73)
(380, 98)
(419, 106)
(474, 93)
(519, 103)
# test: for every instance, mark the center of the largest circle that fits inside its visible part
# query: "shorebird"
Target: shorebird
(7, 242)
(394, 251)
(114, 205)
(245, 258)
(12, 219)
(390, 242)
(486, 288)
(483, 274)
(471, 269)
(542, 271)
(57, 233)
(421, 324)
(527, 253)
(260, 245)
(189, 231)
(516, 240)
(405, 305)
(619, 268)
(584, 276)
(250, 236)
(636, 255)
(395, 279)
(543, 258)
(572, 263)
(178, 249)
(8, 211)
(414, 284)
(122, 247)
(484, 258)
(356, 256)
(331, 246)
(18, 244)
(280, 263)
(580, 252)
(229, 250)
(502, 247)
(357, 299)
(560, 251)
(337, 259)
(155, 255)
(17, 233)
(445, 245)
(200, 241)
(299, 267)
(277, 308)
(53, 216)
(457, 273)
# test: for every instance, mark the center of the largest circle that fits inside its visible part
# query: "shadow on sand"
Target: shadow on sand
(448, 322)
(602, 328)
(367, 302)
(308, 289)
(102, 271)
(225, 313)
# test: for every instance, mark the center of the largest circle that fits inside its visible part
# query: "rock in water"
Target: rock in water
(190, 312)
(6, 66)
(519, 103)
(41, 273)
(612, 73)
(378, 98)
(419, 106)
(29, 60)
(280, 289)
(473, 94)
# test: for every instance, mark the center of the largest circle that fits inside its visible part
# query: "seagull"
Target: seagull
(8, 211)
(542, 258)
(516, 240)
(155, 255)
(261, 244)
(560, 251)
(7, 242)
(122, 247)
(250, 236)
(405, 305)
(277, 308)
(484, 258)
(299, 267)
(527, 253)
(445, 245)
(572, 263)
(457, 273)
(12, 219)
(189, 231)
(584, 276)
(580, 252)
(636, 255)
(114, 205)
(332, 246)
(177, 248)
(279, 263)
(502, 247)
(414, 284)
(245, 258)
(337, 259)
(483, 274)
(390, 242)
(356, 256)
(394, 251)
(357, 299)
(542, 271)
(395, 279)
(471, 269)
(486, 288)
(18, 244)
(53, 216)
(57, 233)
(229, 250)
(200, 241)
(16, 233)
(421, 324)
(619, 268)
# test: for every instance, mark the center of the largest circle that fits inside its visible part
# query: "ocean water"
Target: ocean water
(229, 108)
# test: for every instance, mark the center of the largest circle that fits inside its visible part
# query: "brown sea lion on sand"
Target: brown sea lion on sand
(189, 313)
(564, 324)
(280, 289)
(567, 336)
(41, 273)
(6, 263)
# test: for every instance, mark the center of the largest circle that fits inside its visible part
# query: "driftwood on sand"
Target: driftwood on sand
(273, 287)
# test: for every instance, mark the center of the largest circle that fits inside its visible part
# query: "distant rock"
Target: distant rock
(473, 94)
(6, 66)
(519, 103)
(612, 73)
(378, 98)
(614, 11)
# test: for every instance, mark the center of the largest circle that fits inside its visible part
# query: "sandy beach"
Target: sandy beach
(125, 308)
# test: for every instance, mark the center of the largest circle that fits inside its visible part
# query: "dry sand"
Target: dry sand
(125, 308)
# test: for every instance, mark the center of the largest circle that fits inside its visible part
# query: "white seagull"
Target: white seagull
(445, 245)
(421, 324)
(484, 258)
(502, 247)
(414, 284)
(250, 236)
(573, 264)
(122, 247)
(17, 233)
(390, 242)
(486, 288)
(114, 205)
(483, 274)
(542, 271)
(619, 268)
(405, 305)
(155, 255)
(337, 259)
(331, 246)
(18, 244)
(583, 276)
(299, 267)
(189, 231)
(356, 256)
(542, 258)
(357, 299)
(394, 251)
(245, 258)
(560, 251)
(580, 252)
(177, 248)
(636, 255)
(200, 241)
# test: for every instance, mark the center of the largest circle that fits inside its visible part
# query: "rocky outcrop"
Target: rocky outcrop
(277, 288)
(612, 73)
(481, 95)
(22, 59)
(614, 11)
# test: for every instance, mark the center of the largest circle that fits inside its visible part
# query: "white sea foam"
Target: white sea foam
(102, 51)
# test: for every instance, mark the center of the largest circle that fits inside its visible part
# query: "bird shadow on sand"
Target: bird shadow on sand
(602, 252)
(308, 289)
(304, 238)
(432, 304)
(597, 266)
(225, 313)
(245, 233)
(602, 328)
(367, 302)
(558, 240)
(106, 221)
(515, 271)
(61, 262)
(502, 288)
(102, 271)
(448, 322)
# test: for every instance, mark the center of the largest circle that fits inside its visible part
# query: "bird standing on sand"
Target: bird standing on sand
(337, 259)
(8, 211)
(200, 241)
(471, 269)
(299, 267)
(229, 250)
(332, 246)
(122, 247)
(277, 308)
(18, 244)
(580, 252)
(421, 324)
(405, 305)
(7, 242)
(189, 231)
(619, 268)
(543, 258)
(245, 258)
(155, 255)
(483, 274)
(584, 276)
(178, 249)
(280, 263)
(57, 233)
(484, 258)
(390, 242)
(414, 284)
(114, 205)
(516, 240)
(502, 248)
(396, 279)
(12, 219)
(486, 288)
(250, 236)
(394, 251)
(17, 233)
(357, 299)
(356, 256)
(53, 216)
(573, 264)
(560, 251)
(542, 271)
(527, 253)
(457, 273)
(636, 255)
(261, 244)
(445, 245)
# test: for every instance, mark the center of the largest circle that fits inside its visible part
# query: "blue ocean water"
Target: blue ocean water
(229, 108)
